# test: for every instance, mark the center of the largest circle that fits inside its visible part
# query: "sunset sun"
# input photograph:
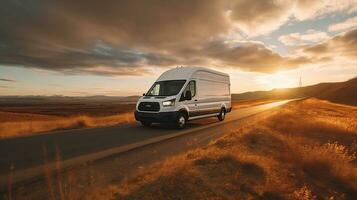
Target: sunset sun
(279, 80)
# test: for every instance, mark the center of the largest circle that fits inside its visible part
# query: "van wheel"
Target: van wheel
(145, 123)
(222, 114)
(181, 121)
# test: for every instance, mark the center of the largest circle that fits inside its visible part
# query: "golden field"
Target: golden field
(304, 150)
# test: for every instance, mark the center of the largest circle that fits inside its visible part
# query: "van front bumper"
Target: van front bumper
(160, 117)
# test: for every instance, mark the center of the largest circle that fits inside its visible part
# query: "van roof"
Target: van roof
(185, 73)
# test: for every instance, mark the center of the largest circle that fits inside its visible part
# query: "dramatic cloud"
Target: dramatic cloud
(64, 36)
(99, 58)
(311, 36)
(343, 26)
(158, 24)
(340, 47)
(128, 37)
(260, 16)
(250, 56)
(257, 17)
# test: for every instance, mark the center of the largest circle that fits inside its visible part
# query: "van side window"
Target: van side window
(190, 86)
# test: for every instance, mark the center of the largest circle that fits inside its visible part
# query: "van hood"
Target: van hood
(155, 98)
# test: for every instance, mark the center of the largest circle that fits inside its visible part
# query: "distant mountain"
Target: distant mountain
(340, 92)
(66, 99)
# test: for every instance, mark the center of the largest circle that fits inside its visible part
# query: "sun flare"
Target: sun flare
(278, 80)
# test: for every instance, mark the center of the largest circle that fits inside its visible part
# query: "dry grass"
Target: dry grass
(304, 150)
(21, 118)
(61, 184)
(39, 123)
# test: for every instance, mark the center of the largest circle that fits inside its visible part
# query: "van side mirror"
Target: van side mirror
(143, 94)
(188, 95)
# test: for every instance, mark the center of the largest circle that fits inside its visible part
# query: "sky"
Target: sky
(120, 47)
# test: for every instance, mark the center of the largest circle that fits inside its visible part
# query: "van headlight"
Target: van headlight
(168, 103)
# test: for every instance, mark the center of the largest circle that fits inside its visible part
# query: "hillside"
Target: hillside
(340, 92)
(345, 92)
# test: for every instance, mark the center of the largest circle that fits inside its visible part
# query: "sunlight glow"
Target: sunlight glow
(278, 80)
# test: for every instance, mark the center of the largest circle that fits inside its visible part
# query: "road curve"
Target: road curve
(26, 154)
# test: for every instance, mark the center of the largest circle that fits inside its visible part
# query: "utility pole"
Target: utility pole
(300, 82)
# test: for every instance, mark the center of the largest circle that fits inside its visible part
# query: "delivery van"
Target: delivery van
(185, 93)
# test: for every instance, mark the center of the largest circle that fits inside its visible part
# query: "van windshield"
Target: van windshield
(166, 88)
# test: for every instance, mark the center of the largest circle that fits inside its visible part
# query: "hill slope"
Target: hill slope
(341, 92)
(345, 92)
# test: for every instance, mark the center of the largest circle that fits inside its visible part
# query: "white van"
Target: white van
(185, 93)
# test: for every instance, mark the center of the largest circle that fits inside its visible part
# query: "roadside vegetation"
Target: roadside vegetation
(23, 121)
(29, 124)
(304, 150)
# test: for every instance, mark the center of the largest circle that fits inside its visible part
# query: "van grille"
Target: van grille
(149, 106)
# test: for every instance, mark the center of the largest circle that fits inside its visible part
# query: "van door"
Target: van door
(191, 104)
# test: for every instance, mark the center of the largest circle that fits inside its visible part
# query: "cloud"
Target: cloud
(311, 36)
(307, 9)
(130, 37)
(258, 17)
(343, 26)
(121, 35)
(100, 55)
(250, 56)
(7, 80)
(339, 47)
(162, 24)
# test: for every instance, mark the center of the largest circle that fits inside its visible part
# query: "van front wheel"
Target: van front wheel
(222, 115)
(181, 121)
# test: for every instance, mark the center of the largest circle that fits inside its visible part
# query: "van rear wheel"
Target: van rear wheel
(222, 114)
(180, 121)
(145, 123)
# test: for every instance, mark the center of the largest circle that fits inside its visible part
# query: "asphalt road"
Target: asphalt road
(26, 154)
